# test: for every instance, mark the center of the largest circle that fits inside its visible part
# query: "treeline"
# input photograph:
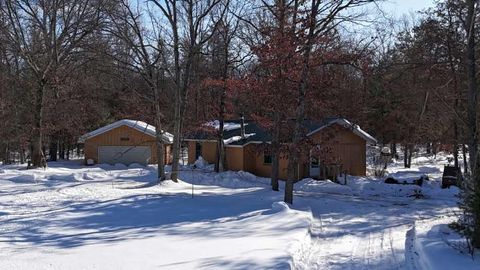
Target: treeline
(70, 66)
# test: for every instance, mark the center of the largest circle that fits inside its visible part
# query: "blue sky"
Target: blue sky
(399, 7)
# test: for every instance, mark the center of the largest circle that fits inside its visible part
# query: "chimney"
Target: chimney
(242, 127)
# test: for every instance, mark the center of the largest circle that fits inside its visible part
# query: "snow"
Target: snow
(367, 224)
(237, 138)
(118, 220)
(138, 125)
(71, 216)
(227, 126)
(200, 163)
(433, 245)
(314, 186)
(362, 133)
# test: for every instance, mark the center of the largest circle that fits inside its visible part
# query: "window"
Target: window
(124, 139)
(267, 159)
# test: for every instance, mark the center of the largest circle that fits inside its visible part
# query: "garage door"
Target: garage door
(124, 154)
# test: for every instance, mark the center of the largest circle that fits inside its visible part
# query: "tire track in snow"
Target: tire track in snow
(376, 249)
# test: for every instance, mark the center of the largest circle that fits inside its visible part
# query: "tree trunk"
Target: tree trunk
(219, 166)
(61, 152)
(67, 153)
(22, 155)
(275, 152)
(410, 152)
(455, 144)
(177, 127)
(393, 150)
(474, 178)
(176, 141)
(472, 88)
(77, 149)
(465, 162)
(6, 159)
(154, 82)
(53, 150)
(37, 133)
(160, 147)
(294, 154)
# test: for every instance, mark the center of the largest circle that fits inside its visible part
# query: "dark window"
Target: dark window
(267, 159)
(124, 139)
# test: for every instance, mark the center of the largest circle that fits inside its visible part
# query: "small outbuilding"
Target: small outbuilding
(125, 141)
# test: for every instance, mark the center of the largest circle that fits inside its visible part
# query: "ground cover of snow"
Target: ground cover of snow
(115, 217)
(112, 217)
(433, 245)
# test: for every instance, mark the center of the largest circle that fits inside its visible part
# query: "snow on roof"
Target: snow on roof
(227, 126)
(355, 128)
(237, 138)
(360, 132)
(138, 125)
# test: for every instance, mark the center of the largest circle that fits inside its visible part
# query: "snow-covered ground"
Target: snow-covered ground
(114, 217)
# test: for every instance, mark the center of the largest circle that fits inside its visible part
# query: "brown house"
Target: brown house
(336, 144)
(125, 141)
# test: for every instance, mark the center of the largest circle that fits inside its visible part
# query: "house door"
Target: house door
(314, 165)
(198, 150)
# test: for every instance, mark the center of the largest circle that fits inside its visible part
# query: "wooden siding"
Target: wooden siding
(345, 146)
(116, 137)
(253, 161)
(191, 152)
(234, 160)
(249, 160)
(209, 151)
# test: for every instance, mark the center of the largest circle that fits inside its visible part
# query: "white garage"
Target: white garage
(124, 154)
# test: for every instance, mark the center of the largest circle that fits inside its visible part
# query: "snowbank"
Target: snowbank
(372, 187)
(280, 206)
(135, 166)
(358, 186)
(326, 186)
(66, 177)
(433, 245)
(25, 178)
(228, 179)
(200, 163)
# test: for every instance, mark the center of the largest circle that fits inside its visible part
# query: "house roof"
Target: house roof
(138, 125)
(256, 134)
(347, 124)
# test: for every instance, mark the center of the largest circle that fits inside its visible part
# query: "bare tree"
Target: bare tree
(144, 56)
(189, 27)
(48, 36)
(473, 185)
